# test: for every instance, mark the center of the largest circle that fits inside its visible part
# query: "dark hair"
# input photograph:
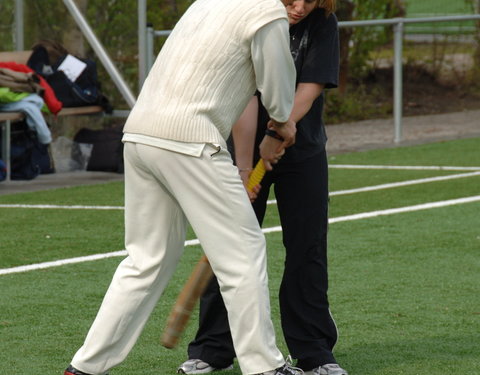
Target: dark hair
(328, 5)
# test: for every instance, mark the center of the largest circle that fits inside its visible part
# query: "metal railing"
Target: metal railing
(146, 37)
(399, 31)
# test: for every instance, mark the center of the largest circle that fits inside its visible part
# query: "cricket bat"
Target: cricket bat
(196, 284)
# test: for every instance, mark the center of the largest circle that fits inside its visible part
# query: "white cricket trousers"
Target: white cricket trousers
(164, 189)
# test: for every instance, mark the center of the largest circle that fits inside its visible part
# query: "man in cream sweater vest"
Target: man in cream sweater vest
(178, 170)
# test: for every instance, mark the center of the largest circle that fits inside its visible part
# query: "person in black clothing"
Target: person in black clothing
(300, 181)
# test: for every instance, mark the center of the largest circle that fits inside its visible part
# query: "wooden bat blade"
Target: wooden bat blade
(186, 301)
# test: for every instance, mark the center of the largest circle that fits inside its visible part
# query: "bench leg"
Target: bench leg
(6, 146)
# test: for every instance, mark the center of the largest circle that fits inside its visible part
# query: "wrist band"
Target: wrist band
(274, 134)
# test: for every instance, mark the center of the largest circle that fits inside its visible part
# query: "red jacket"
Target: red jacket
(53, 104)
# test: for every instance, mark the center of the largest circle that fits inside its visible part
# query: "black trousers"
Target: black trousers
(301, 191)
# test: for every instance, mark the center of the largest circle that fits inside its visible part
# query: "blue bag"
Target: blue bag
(3, 170)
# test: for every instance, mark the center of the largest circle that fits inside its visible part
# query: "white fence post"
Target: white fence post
(142, 42)
(398, 81)
(150, 43)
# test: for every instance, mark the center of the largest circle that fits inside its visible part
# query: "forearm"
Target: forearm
(304, 97)
(243, 133)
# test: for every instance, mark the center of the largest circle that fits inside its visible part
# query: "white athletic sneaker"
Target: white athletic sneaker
(328, 369)
(197, 366)
(286, 369)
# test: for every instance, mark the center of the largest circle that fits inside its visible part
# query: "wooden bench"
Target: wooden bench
(6, 118)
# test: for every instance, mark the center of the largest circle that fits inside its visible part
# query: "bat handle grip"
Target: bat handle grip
(257, 175)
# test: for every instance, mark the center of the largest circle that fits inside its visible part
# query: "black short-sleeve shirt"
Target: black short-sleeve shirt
(314, 44)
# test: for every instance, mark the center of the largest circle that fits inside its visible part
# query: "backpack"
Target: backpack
(22, 163)
(45, 55)
(42, 154)
(107, 149)
(85, 90)
(28, 157)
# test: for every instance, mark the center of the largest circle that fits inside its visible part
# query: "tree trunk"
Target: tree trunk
(173, 6)
(400, 11)
(73, 39)
(477, 33)
(344, 13)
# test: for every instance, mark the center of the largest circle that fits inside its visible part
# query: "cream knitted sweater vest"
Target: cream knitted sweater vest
(203, 77)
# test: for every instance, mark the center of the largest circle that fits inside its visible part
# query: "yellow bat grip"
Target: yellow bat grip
(257, 175)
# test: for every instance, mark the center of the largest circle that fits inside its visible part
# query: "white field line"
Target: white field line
(397, 184)
(333, 193)
(404, 183)
(61, 207)
(62, 262)
(360, 216)
(404, 167)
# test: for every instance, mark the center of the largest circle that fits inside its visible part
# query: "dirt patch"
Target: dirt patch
(433, 110)
(423, 93)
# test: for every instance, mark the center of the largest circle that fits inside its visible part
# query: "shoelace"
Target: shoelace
(290, 368)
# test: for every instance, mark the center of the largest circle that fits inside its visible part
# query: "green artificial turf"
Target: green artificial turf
(403, 287)
(462, 152)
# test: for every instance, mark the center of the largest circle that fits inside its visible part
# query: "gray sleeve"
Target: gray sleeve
(274, 69)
